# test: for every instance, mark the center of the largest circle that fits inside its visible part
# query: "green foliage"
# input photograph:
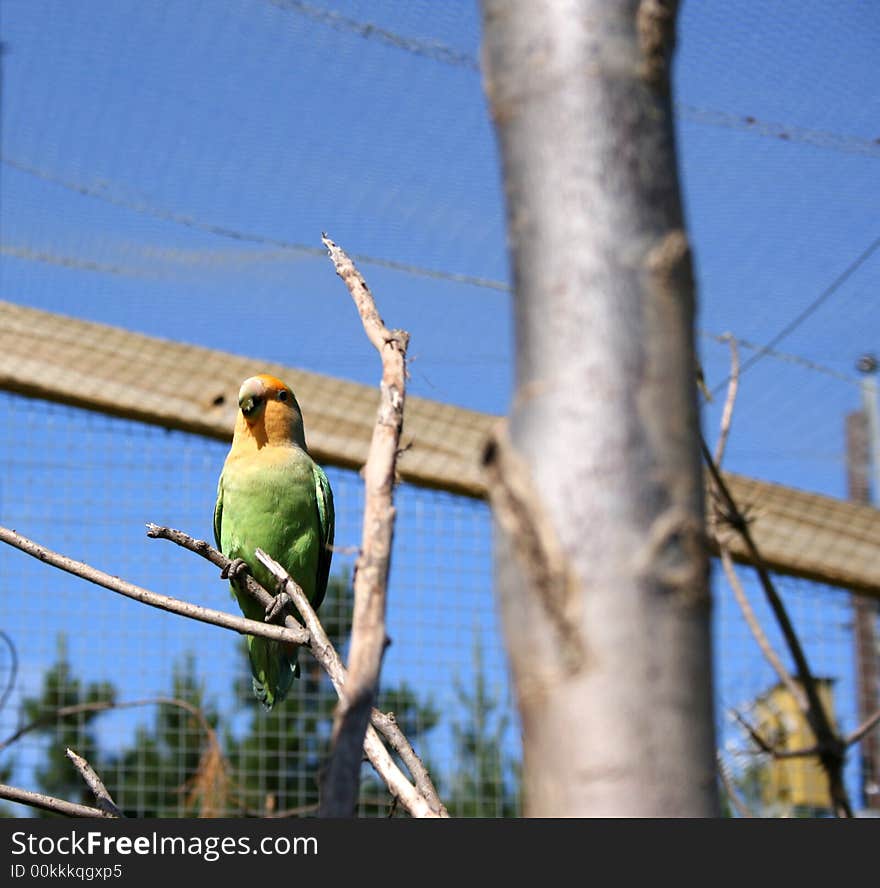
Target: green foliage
(277, 762)
(486, 781)
(271, 761)
(56, 775)
(156, 774)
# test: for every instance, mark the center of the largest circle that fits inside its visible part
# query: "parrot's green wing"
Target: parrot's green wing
(218, 512)
(326, 531)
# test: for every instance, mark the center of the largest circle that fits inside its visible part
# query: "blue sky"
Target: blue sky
(169, 167)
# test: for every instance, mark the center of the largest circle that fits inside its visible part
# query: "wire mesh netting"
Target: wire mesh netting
(749, 690)
(168, 169)
(86, 484)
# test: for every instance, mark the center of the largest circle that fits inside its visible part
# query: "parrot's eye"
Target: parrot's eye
(249, 405)
(282, 395)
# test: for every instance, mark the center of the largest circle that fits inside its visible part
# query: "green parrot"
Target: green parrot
(274, 497)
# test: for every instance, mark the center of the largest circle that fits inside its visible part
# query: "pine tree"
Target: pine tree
(167, 769)
(56, 776)
(277, 764)
(486, 781)
(270, 762)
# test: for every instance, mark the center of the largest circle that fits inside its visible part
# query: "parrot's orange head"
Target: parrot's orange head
(269, 412)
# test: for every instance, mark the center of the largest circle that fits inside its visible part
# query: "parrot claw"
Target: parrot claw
(234, 570)
(279, 604)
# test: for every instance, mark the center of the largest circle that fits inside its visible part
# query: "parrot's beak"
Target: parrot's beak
(251, 395)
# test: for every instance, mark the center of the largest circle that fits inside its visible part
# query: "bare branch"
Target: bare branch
(48, 803)
(732, 388)
(13, 669)
(765, 746)
(417, 802)
(410, 797)
(285, 813)
(863, 729)
(742, 809)
(831, 749)
(368, 639)
(759, 741)
(387, 725)
(145, 596)
(211, 756)
(218, 559)
(323, 651)
(104, 706)
(760, 637)
(94, 783)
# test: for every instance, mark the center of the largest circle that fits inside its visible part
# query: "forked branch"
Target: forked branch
(340, 781)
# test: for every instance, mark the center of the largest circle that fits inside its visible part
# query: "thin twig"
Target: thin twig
(13, 669)
(742, 808)
(864, 728)
(48, 803)
(95, 784)
(218, 559)
(284, 814)
(412, 799)
(760, 637)
(340, 781)
(765, 746)
(758, 739)
(104, 706)
(324, 652)
(416, 802)
(730, 401)
(386, 724)
(212, 751)
(145, 596)
(831, 748)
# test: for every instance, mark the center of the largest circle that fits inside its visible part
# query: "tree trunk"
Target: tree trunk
(596, 484)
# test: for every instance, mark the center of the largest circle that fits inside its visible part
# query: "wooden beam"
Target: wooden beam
(194, 389)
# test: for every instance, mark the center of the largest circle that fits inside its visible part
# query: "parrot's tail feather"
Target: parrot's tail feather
(273, 670)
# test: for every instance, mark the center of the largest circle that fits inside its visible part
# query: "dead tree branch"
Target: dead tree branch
(106, 806)
(386, 724)
(758, 633)
(145, 596)
(13, 669)
(49, 803)
(863, 729)
(807, 751)
(831, 748)
(410, 797)
(421, 802)
(95, 784)
(104, 706)
(368, 639)
(726, 781)
(766, 746)
(730, 401)
(212, 751)
(218, 559)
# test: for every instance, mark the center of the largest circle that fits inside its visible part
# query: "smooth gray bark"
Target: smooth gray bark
(596, 484)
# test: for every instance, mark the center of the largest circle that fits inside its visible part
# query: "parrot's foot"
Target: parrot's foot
(280, 603)
(234, 570)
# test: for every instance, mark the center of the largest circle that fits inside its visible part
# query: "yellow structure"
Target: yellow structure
(796, 785)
